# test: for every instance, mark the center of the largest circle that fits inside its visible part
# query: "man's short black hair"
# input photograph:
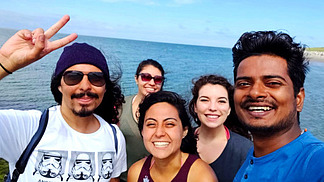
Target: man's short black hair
(276, 44)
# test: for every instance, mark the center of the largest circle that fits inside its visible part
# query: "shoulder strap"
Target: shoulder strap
(115, 137)
(22, 162)
(145, 171)
(184, 170)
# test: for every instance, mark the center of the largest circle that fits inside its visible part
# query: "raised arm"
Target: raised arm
(26, 47)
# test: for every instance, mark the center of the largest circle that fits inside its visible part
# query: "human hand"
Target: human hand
(26, 47)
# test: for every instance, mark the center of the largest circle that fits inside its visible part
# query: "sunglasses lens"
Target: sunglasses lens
(146, 77)
(158, 79)
(72, 77)
(96, 78)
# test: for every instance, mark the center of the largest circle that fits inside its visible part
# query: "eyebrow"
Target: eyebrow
(274, 76)
(223, 98)
(266, 77)
(202, 96)
(208, 97)
(149, 119)
(242, 78)
(166, 119)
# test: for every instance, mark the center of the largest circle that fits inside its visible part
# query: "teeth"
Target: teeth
(212, 116)
(161, 144)
(150, 89)
(259, 109)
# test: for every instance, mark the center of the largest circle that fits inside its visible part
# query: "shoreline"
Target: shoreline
(314, 56)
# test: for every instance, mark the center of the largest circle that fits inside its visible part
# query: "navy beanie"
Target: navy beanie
(81, 53)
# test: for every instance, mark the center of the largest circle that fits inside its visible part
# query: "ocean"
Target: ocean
(29, 88)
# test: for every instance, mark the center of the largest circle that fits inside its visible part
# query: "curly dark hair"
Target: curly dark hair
(231, 121)
(188, 143)
(273, 43)
(111, 103)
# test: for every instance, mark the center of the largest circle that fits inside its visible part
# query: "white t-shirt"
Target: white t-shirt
(62, 154)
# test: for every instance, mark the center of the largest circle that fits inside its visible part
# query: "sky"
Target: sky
(196, 22)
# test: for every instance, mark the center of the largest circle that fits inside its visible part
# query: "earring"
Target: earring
(196, 119)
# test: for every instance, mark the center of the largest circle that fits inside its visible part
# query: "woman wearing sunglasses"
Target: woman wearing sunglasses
(213, 111)
(149, 78)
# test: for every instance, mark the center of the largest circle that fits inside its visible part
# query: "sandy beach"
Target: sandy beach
(315, 55)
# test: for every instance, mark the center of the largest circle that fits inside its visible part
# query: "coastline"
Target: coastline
(314, 56)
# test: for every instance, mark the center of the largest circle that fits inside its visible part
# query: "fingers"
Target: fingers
(36, 33)
(25, 34)
(39, 44)
(38, 48)
(62, 42)
(57, 26)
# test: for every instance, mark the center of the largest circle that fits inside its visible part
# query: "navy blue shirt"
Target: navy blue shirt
(232, 157)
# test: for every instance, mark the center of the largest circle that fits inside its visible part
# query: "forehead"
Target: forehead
(213, 90)
(259, 66)
(84, 68)
(162, 111)
(151, 69)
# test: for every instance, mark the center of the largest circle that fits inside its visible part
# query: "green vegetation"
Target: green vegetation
(4, 168)
(321, 49)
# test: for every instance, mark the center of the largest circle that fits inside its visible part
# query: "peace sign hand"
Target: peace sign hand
(26, 47)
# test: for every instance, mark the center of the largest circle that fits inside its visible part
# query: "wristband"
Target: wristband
(9, 72)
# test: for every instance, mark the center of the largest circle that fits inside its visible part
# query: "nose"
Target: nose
(213, 106)
(85, 83)
(151, 82)
(160, 131)
(258, 90)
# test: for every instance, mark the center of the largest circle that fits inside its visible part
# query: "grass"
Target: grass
(320, 49)
(4, 168)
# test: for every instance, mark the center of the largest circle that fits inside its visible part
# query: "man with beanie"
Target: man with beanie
(80, 133)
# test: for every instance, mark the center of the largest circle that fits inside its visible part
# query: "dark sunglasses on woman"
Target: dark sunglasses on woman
(74, 77)
(146, 77)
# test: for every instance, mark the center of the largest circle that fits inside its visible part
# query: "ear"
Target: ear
(185, 132)
(136, 79)
(300, 99)
(60, 88)
(229, 111)
(195, 108)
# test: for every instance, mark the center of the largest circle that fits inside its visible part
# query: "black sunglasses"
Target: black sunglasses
(146, 77)
(74, 77)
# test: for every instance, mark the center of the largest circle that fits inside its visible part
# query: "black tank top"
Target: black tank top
(181, 176)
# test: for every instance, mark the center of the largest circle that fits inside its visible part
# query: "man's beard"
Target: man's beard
(266, 131)
(84, 112)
